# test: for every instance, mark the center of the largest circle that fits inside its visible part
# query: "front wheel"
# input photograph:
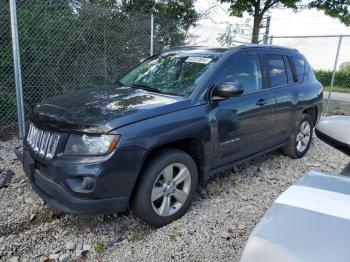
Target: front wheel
(166, 188)
(300, 140)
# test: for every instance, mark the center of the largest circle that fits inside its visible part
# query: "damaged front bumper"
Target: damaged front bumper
(56, 182)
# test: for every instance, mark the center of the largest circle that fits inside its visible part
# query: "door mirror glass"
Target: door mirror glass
(334, 130)
(226, 90)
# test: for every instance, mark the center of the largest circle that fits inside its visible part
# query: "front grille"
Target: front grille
(42, 143)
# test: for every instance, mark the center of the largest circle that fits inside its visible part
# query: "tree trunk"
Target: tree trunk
(256, 24)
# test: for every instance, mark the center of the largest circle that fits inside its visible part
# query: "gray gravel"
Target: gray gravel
(215, 228)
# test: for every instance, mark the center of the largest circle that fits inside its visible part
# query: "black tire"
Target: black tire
(291, 149)
(141, 202)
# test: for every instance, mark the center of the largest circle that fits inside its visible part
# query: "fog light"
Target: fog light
(82, 184)
(88, 183)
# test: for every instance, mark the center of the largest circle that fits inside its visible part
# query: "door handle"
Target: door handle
(262, 102)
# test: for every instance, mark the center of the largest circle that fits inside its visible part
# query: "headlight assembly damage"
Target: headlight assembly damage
(91, 144)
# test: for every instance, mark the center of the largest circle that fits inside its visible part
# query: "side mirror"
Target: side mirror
(335, 131)
(226, 90)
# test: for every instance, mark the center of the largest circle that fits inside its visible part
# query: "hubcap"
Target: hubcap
(171, 189)
(303, 137)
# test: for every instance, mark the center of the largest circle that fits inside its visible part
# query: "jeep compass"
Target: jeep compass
(170, 123)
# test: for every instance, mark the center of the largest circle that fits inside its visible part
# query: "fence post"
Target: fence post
(333, 74)
(152, 34)
(17, 69)
(271, 39)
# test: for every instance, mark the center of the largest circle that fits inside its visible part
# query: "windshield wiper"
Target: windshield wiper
(118, 83)
(145, 87)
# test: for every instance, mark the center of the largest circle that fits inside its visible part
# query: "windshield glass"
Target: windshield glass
(172, 74)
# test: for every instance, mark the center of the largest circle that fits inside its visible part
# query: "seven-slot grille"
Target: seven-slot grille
(43, 143)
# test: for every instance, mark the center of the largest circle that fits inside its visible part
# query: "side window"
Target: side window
(245, 70)
(303, 70)
(289, 70)
(277, 70)
(299, 64)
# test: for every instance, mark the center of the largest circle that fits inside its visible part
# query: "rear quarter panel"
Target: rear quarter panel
(310, 94)
(310, 91)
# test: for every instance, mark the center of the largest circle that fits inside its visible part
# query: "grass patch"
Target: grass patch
(174, 235)
(235, 182)
(337, 89)
(100, 247)
(215, 187)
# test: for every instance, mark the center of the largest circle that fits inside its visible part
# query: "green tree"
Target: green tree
(345, 66)
(257, 8)
(69, 45)
(173, 18)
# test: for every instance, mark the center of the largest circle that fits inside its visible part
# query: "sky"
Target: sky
(320, 52)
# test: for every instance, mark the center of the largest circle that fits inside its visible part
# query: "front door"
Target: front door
(242, 123)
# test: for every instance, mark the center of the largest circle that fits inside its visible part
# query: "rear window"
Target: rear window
(303, 70)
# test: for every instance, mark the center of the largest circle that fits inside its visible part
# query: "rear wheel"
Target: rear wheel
(300, 139)
(166, 188)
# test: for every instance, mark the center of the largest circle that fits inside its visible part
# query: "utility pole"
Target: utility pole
(266, 24)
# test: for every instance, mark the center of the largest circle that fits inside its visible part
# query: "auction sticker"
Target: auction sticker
(198, 59)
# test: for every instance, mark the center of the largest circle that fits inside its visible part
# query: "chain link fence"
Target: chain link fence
(8, 110)
(330, 58)
(64, 48)
(68, 47)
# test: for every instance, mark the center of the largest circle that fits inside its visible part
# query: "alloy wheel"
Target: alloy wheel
(304, 135)
(171, 189)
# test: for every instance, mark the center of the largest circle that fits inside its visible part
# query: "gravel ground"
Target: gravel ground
(216, 227)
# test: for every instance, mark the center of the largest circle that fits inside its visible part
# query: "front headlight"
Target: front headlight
(91, 144)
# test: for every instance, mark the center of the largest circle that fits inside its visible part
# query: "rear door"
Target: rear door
(283, 88)
(242, 123)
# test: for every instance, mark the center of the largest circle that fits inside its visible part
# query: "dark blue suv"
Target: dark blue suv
(171, 122)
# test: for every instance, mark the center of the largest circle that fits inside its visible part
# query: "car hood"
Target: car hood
(104, 109)
(308, 222)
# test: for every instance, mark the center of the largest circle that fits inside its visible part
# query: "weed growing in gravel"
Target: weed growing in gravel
(235, 182)
(173, 236)
(216, 187)
(100, 247)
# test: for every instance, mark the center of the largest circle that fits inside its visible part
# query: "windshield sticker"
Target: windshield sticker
(198, 59)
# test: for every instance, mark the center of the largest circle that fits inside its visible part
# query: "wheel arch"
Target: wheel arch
(193, 146)
(312, 112)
